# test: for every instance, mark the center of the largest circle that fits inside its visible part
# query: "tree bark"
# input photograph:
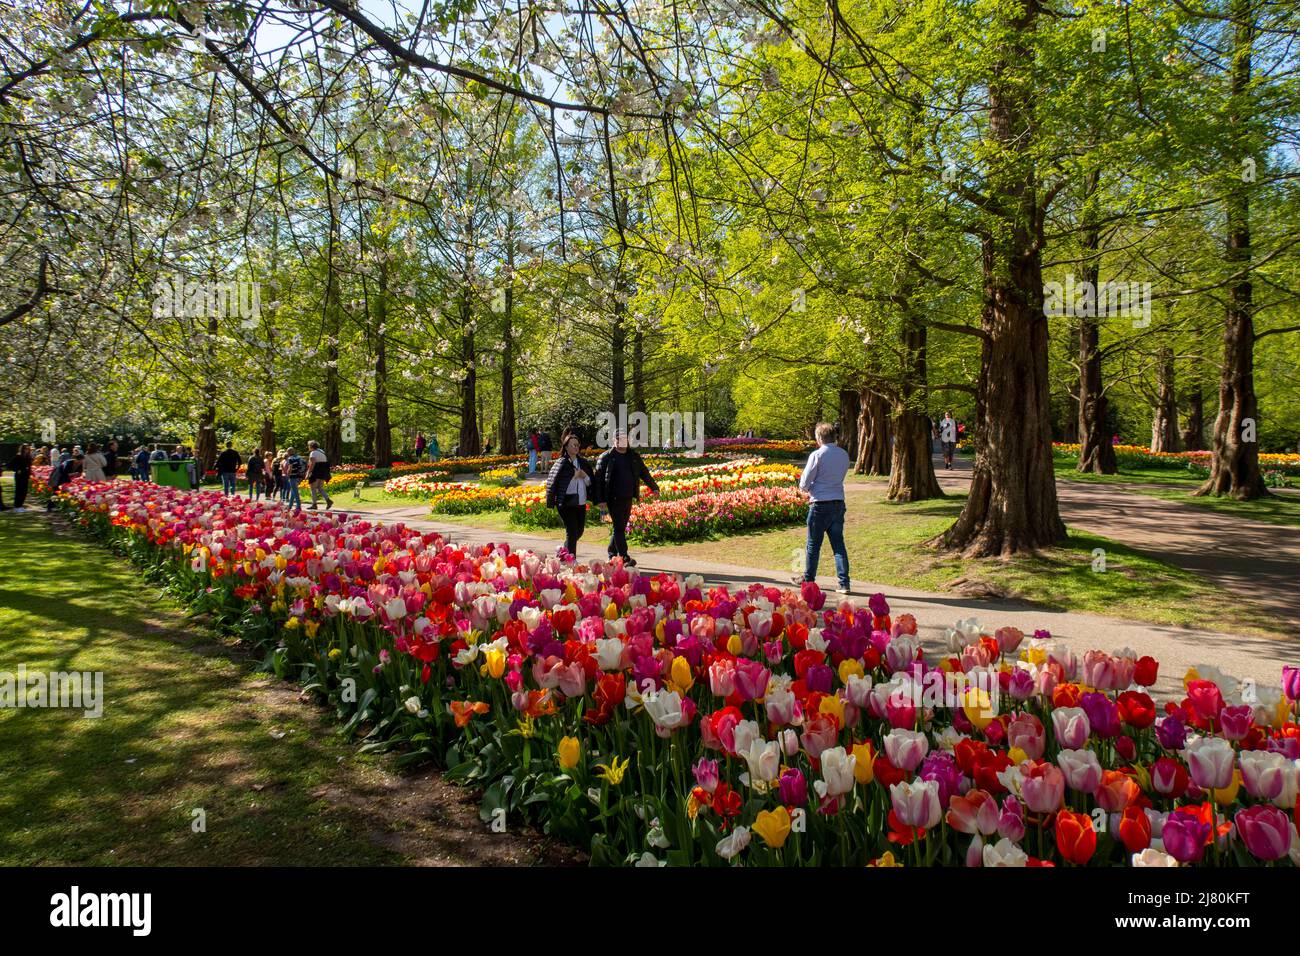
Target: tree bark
(1096, 450)
(1234, 467)
(469, 439)
(383, 437)
(850, 408)
(1012, 506)
(1194, 429)
(1164, 420)
(873, 434)
(911, 473)
(506, 429)
(268, 435)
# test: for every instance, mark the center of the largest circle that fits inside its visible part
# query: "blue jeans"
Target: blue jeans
(291, 494)
(227, 482)
(826, 518)
(532, 461)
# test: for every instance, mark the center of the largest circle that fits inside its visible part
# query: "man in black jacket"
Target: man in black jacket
(619, 473)
(228, 463)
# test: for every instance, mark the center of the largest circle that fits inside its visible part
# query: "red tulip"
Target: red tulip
(1075, 837)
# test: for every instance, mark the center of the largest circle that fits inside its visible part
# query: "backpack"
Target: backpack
(297, 467)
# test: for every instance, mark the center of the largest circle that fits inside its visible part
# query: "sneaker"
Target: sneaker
(843, 590)
(630, 562)
(329, 504)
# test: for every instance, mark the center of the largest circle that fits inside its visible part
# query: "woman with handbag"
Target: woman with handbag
(566, 490)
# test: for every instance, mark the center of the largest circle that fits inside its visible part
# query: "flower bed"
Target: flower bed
(657, 721)
(656, 521)
(1140, 456)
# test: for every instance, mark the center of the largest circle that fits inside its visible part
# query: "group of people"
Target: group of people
(539, 451)
(431, 446)
(613, 484)
(277, 476)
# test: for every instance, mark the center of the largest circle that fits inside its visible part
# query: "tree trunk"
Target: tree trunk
(205, 447)
(1234, 467)
(383, 436)
(469, 439)
(911, 473)
(1011, 507)
(506, 429)
(1194, 430)
(1096, 450)
(1164, 421)
(873, 434)
(850, 408)
(268, 435)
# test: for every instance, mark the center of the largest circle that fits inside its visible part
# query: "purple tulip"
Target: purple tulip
(1184, 837)
(794, 788)
(706, 774)
(1103, 714)
(1171, 732)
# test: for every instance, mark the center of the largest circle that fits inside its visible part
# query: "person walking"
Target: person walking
(294, 469)
(567, 490)
(110, 458)
(228, 463)
(619, 474)
(544, 451)
(318, 473)
(948, 437)
(256, 475)
(823, 481)
(532, 451)
(93, 464)
(140, 469)
(21, 465)
(419, 446)
(434, 451)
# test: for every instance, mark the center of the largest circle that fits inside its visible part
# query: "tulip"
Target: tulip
(569, 751)
(1153, 857)
(1011, 821)
(837, 772)
(1205, 697)
(732, 844)
(773, 826)
(1171, 732)
(1169, 777)
(1081, 769)
(916, 803)
(681, 674)
(793, 788)
(763, 759)
(1042, 786)
(751, 679)
(975, 812)
(1134, 829)
(1291, 683)
(1004, 853)
(1266, 831)
(722, 676)
(1210, 760)
(1117, 791)
(864, 767)
(1075, 837)
(1071, 726)
(906, 748)
(1026, 733)
(706, 774)
(1184, 837)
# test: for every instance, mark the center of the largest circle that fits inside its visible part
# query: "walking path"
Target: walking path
(1254, 561)
(1175, 648)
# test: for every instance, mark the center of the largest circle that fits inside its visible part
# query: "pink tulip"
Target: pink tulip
(1266, 831)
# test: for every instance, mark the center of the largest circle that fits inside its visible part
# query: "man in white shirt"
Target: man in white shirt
(823, 480)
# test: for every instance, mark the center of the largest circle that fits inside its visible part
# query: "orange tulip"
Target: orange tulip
(1075, 837)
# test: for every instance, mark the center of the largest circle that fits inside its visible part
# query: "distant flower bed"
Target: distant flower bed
(729, 512)
(1198, 462)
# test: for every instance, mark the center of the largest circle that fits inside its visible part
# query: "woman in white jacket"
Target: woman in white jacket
(92, 468)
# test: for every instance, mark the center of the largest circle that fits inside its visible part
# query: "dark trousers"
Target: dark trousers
(20, 487)
(826, 518)
(575, 522)
(620, 509)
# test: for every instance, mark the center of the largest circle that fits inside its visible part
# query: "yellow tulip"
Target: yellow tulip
(735, 645)
(977, 707)
(1017, 756)
(495, 664)
(773, 826)
(832, 705)
(569, 752)
(1190, 676)
(849, 667)
(335, 653)
(863, 771)
(681, 674)
(611, 612)
(886, 860)
(311, 627)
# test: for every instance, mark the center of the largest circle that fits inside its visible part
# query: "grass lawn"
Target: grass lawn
(187, 724)
(885, 544)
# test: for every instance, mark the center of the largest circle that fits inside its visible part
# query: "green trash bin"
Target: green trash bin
(173, 474)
